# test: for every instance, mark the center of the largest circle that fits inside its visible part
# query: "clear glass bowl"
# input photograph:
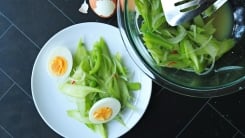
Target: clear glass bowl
(227, 76)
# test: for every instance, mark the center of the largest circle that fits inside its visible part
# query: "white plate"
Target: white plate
(52, 105)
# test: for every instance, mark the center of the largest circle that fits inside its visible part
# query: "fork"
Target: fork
(179, 11)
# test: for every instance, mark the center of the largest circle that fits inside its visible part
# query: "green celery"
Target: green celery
(78, 91)
(97, 74)
(194, 42)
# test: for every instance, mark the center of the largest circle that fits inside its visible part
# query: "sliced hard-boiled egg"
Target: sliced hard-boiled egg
(60, 62)
(104, 110)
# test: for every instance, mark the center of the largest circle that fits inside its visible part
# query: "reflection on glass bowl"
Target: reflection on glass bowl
(227, 75)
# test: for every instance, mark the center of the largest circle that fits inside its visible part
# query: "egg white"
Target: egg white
(113, 103)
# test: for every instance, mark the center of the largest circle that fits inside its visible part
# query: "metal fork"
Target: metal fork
(179, 11)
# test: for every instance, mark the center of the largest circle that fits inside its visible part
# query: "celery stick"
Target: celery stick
(78, 91)
(132, 86)
(79, 54)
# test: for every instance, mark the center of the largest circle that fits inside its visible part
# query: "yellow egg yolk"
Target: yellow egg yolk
(103, 113)
(58, 65)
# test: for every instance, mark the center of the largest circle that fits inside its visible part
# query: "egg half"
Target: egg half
(104, 110)
(60, 62)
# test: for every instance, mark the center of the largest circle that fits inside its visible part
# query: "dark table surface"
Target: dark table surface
(25, 25)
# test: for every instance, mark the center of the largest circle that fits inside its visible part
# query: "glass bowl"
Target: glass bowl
(226, 76)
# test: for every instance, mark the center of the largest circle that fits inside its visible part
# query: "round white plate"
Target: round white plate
(52, 105)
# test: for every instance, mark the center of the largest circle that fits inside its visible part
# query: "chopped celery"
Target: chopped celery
(191, 46)
(78, 91)
(79, 54)
(134, 86)
(101, 128)
(97, 74)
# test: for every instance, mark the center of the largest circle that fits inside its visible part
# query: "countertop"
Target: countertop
(25, 26)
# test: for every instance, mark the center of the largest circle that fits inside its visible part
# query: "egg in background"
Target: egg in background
(60, 62)
(104, 110)
(103, 8)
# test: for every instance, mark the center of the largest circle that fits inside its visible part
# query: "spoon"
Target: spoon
(84, 7)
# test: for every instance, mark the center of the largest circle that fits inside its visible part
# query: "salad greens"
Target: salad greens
(191, 46)
(97, 74)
